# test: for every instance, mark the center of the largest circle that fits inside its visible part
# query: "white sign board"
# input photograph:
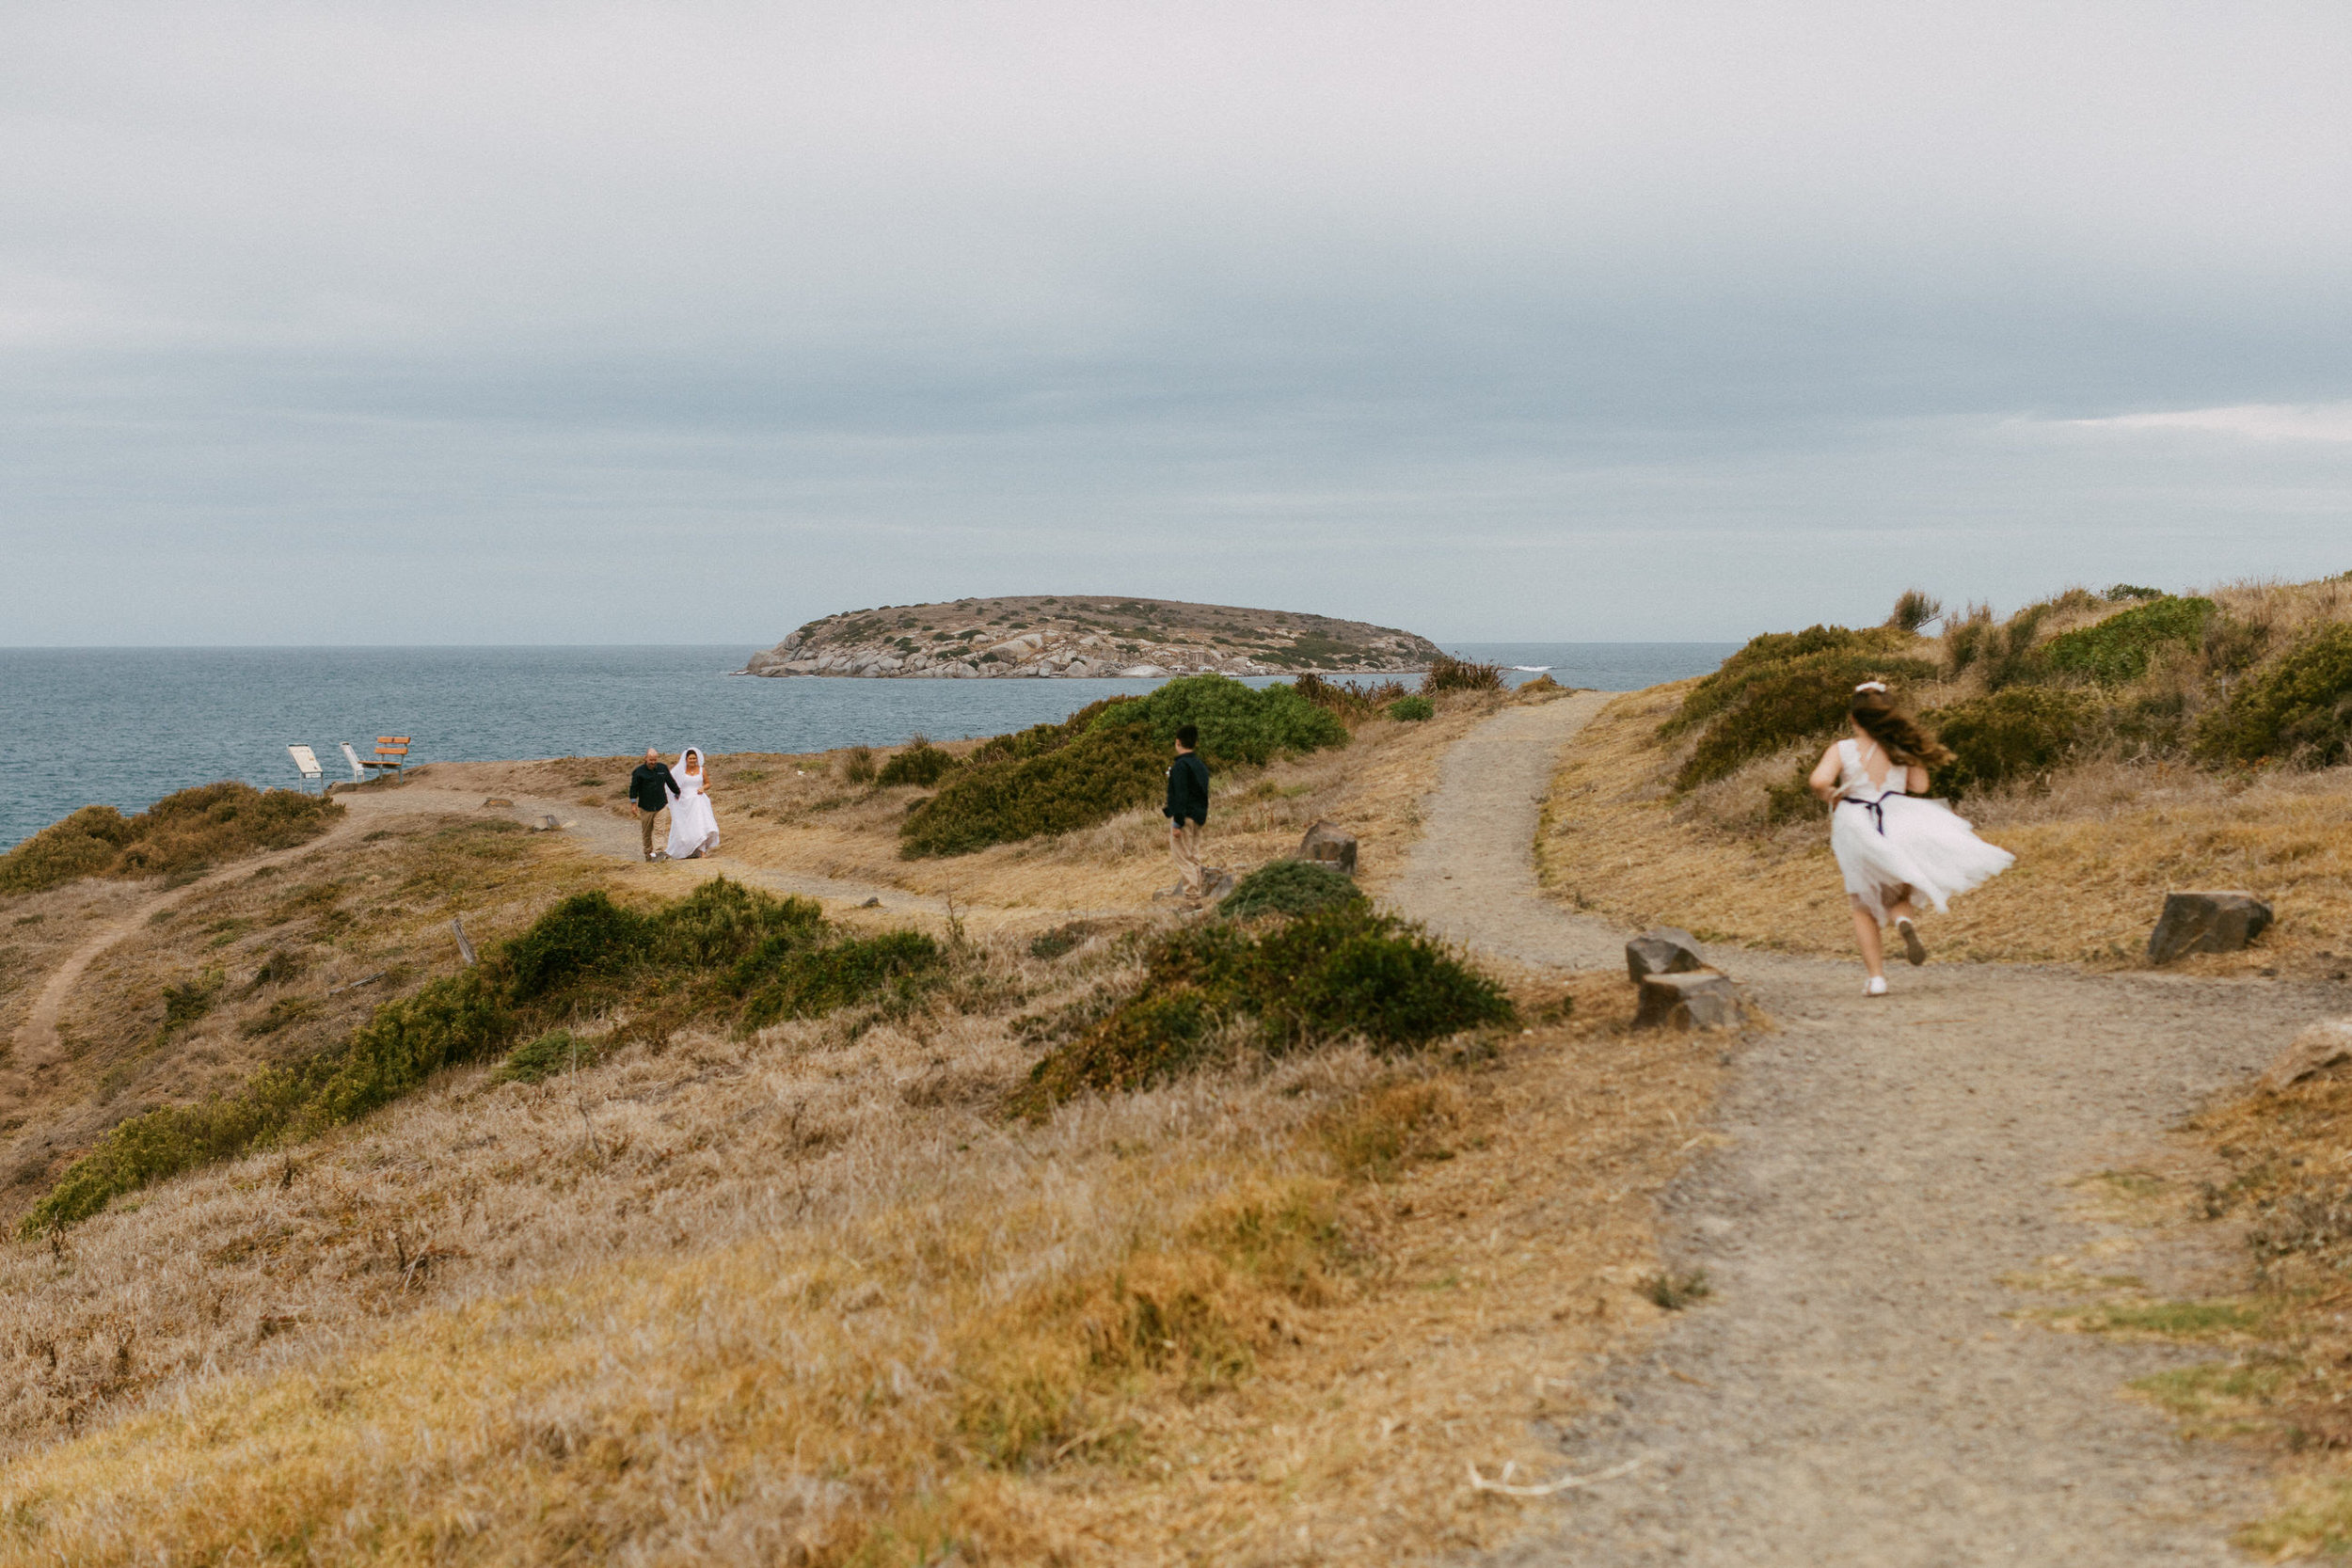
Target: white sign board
(304, 759)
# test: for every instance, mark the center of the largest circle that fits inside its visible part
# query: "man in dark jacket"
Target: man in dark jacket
(1188, 809)
(651, 787)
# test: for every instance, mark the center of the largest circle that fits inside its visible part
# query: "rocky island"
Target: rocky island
(1087, 636)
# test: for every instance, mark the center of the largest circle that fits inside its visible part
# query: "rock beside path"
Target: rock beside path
(1663, 950)
(2206, 923)
(1700, 1001)
(1328, 845)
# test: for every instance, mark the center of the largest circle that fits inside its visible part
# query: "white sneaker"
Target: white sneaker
(1877, 985)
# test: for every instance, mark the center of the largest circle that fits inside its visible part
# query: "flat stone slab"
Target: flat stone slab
(1663, 950)
(1703, 1000)
(2206, 923)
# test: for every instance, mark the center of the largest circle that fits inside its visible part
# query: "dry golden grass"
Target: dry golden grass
(2096, 853)
(804, 1297)
(254, 954)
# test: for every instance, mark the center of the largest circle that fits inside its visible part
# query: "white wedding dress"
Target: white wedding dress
(1890, 844)
(693, 827)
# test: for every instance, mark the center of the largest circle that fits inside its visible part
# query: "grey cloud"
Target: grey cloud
(1509, 320)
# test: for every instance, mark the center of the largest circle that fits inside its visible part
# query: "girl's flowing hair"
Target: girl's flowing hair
(1884, 720)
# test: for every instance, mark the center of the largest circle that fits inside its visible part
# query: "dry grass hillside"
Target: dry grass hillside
(2106, 767)
(671, 1285)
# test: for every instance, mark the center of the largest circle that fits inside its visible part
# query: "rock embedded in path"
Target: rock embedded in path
(1703, 1000)
(1330, 846)
(2206, 923)
(2326, 1044)
(1663, 950)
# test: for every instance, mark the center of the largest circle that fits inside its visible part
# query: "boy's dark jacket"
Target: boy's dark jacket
(652, 786)
(1187, 789)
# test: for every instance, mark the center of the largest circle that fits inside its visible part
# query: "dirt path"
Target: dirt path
(1856, 1389)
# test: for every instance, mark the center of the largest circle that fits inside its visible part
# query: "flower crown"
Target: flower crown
(1871, 686)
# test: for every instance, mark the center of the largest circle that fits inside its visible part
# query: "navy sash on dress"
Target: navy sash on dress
(1875, 808)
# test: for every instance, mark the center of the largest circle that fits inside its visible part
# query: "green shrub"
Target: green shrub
(1287, 887)
(1412, 710)
(557, 1051)
(805, 982)
(1769, 654)
(727, 947)
(1801, 699)
(178, 836)
(1448, 673)
(1238, 724)
(2118, 648)
(2124, 591)
(2014, 734)
(721, 922)
(920, 763)
(2299, 709)
(1092, 779)
(1350, 971)
(1344, 971)
(858, 766)
(585, 934)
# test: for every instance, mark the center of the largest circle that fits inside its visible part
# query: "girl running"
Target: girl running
(1893, 847)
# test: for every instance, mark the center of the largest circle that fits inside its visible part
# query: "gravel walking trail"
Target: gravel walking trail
(1859, 1388)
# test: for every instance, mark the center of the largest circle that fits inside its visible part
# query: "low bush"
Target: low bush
(2297, 710)
(1088, 778)
(1238, 723)
(1770, 654)
(725, 947)
(807, 982)
(543, 1057)
(2018, 733)
(1344, 971)
(1801, 699)
(918, 763)
(1411, 710)
(1287, 887)
(2118, 649)
(1448, 673)
(1350, 703)
(857, 766)
(178, 836)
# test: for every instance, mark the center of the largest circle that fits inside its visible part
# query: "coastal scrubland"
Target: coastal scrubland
(700, 1220)
(2123, 744)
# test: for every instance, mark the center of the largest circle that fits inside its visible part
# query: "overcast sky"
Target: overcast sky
(687, 322)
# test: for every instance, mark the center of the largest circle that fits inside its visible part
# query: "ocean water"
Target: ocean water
(125, 726)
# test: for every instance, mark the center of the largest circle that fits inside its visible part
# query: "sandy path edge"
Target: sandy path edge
(1859, 1387)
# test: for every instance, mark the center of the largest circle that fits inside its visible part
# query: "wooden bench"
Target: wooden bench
(392, 750)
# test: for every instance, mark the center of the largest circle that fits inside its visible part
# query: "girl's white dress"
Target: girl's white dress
(1892, 844)
(693, 827)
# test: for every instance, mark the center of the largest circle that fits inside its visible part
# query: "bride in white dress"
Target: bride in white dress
(1893, 846)
(693, 827)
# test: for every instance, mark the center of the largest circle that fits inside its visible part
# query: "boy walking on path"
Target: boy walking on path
(1188, 809)
(651, 786)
